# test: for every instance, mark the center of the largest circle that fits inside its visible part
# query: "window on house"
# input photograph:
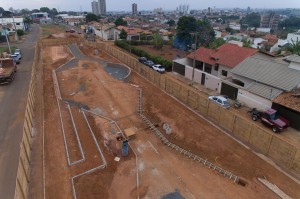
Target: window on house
(224, 73)
(18, 24)
(217, 67)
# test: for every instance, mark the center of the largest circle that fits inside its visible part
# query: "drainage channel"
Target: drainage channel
(180, 150)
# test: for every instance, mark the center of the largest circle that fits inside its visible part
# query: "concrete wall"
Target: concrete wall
(253, 100)
(243, 128)
(23, 173)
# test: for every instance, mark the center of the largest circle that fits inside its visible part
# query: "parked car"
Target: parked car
(271, 118)
(18, 51)
(149, 63)
(19, 55)
(159, 68)
(15, 58)
(221, 100)
(142, 59)
(72, 30)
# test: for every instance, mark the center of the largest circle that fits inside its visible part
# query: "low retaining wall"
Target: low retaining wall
(264, 141)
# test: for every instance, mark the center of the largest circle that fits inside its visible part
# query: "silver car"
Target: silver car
(221, 100)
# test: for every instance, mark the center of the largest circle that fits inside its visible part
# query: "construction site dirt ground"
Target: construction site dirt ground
(158, 171)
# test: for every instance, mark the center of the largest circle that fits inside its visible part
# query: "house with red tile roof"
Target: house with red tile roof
(134, 33)
(207, 66)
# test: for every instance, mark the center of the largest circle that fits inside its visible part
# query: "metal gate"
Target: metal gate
(230, 91)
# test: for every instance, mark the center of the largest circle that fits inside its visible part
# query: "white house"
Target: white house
(107, 32)
(16, 23)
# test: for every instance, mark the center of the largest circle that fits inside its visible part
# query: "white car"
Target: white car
(221, 100)
(18, 54)
(159, 68)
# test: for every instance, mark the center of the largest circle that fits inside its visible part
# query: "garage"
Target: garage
(228, 90)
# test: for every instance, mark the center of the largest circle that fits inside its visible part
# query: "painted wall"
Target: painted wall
(253, 101)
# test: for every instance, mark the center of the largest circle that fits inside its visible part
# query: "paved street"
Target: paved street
(13, 99)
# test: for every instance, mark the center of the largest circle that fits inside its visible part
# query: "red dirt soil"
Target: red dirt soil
(161, 171)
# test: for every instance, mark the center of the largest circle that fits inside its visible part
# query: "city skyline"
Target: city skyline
(117, 5)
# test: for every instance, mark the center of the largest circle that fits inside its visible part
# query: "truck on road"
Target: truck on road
(8, 68)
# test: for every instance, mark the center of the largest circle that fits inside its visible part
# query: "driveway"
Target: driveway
(13, 98)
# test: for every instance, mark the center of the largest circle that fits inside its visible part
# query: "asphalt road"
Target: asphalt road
(13, 98)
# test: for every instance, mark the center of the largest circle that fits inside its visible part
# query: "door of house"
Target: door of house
(203, 79)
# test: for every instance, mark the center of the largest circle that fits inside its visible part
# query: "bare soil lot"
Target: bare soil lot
(159, 170)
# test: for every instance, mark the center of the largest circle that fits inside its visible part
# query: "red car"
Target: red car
(271, 118)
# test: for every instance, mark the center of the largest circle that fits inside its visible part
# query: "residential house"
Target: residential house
(14, 23)
(133, 33)
(288, 103)
(259, 79)
(211, 65)
(107, 31)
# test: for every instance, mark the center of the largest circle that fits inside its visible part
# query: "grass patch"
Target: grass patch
(6, 49)
(49, 29)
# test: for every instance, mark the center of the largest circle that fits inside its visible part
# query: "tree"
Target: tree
(53, 11)
(7, 14)
(292, 22)
(120, 22)
(91, 17)
(171, 23)
(294, 47)
(187, 27)
(1, 10)
(27, 20)
(158, 41)
(45, 9)
(250, 20)
(123, 34)
(25, 11)
(20, 32)
(246, 43)
(216, 43)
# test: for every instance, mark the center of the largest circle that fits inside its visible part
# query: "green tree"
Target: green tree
(246, 43)
(123, 34)
(187, 27)
(27, 20)
(91, 17)
(292, 22)
(250, 20)
(171, 23)
(120, 22)
(294, 47)
(53, 11)
(20, 32)
(1, 10)
(25, 11)
(158, 41)
(216, 43)
(45, 9)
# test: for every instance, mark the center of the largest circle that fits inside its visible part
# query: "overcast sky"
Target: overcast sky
(125, 5)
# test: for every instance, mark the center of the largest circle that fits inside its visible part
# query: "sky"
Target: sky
(125, 5)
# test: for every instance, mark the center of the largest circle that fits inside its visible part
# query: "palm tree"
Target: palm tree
(294, 47)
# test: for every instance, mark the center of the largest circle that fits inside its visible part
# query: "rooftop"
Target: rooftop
(228, 55)
(269, 72)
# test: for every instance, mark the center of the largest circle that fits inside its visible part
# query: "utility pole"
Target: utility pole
(194, 60)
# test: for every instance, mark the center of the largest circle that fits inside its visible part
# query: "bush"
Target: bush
(141, 53)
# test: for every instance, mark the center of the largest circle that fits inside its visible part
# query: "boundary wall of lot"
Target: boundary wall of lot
(23, 173)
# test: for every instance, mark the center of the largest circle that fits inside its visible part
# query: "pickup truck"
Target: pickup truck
(271, 118)
(8, 68)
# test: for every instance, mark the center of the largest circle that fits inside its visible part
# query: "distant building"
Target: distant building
(40, 17)
(134, 9)
(95, 7)
(102, 7)
(248, 9)
(270, 20)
